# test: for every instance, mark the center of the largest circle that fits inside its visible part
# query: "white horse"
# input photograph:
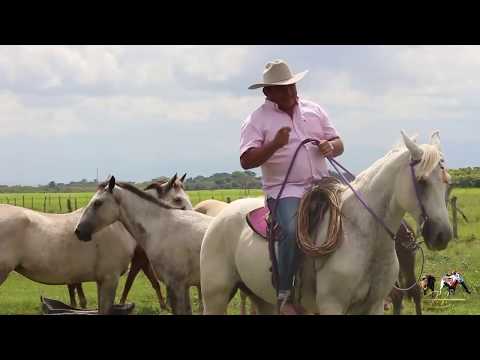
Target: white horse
(43, 248)
(210, 207)
(172, 192)
(357, 277)
(170, 237)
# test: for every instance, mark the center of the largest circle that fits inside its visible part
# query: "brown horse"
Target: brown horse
(406, 260)
(171, 191)
(406, 274)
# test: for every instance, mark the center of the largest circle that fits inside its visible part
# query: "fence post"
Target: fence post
(60, 204)
(454, 216)
(15, 201)
(45, 204)
(23, 200)
(228, 200)
(69, 205)
(32, 202)
(76, 203)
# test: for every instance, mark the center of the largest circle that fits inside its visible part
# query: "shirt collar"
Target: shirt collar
(272, 105)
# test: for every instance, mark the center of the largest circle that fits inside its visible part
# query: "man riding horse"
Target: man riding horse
(269, 137)
(451, 280)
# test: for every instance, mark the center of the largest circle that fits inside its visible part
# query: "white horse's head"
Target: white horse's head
(427, 189)
(105, 207)
(172, 192)
(102, 210)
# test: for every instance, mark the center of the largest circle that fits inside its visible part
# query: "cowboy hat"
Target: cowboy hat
(277, 72)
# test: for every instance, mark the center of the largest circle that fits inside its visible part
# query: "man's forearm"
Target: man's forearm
(255, 157)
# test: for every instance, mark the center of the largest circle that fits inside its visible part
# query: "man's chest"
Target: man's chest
(302, 124)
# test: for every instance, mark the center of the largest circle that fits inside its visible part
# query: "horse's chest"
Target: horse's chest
(378, 280)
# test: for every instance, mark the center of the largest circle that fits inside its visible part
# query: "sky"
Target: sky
(141, 112)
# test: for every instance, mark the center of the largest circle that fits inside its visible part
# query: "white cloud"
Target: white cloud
(370, 92)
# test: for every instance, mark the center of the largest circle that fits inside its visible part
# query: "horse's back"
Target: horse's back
(228, 227)
(210, 207)
(44, 248)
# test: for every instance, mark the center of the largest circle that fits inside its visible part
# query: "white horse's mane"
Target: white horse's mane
(430, 158)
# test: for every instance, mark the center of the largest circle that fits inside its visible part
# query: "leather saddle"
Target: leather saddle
(258, 220)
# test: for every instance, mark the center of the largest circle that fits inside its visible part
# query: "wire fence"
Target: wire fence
(49, 203)
(60, 203)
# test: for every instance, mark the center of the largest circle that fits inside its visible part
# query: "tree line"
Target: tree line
(462, 177)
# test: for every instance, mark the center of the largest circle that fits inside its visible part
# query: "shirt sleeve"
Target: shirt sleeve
(250, 136)
(328, 129)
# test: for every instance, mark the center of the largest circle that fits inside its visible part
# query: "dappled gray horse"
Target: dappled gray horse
(171, 237)
(173, 192)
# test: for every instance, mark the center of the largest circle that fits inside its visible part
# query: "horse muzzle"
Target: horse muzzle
(82, 234)
(436, 236)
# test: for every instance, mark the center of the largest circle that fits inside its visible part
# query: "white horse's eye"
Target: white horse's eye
(97, 204)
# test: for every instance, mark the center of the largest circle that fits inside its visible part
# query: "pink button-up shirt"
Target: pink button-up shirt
(309, 121)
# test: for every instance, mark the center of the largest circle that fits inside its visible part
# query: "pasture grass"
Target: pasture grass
(58, 202)
(18, 295)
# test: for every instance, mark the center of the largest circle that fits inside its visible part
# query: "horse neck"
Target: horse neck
(378, 191)
(138, 215)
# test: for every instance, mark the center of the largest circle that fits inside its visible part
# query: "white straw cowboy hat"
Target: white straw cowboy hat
(277, 72)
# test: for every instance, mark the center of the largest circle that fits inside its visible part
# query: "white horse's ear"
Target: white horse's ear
(435, 140)
(172, 181)
(111, 183)
(414, 149)
(182, 179)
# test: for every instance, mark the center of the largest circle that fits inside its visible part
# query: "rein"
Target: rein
(412, 245)
(271, 224)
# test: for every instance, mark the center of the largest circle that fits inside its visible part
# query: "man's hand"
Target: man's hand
(257, 156)
(326, 148)
(282, 137)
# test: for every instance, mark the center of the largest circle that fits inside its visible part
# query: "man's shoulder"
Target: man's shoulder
(312, 106)
(256, 115)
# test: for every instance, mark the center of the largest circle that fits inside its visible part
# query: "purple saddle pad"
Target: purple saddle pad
(257, 219)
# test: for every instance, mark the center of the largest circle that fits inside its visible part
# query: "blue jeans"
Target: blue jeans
(287, 249)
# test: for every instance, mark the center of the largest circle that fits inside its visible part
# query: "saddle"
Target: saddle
(258, 221)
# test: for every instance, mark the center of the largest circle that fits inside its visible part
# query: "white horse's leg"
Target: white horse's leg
(187, 300)
(71, 293)
(200, 303)
(216, 294)
(81, 296)
(179, 301)
(262, 307)
(376, 309)
(328, 299)
(106, 294)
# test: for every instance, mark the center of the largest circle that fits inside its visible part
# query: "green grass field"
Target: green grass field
(58, 202)
(19, 295)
